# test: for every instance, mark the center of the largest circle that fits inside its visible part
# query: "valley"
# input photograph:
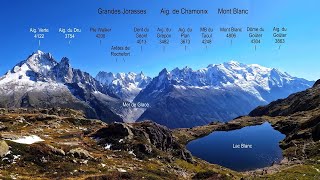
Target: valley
(60, 122)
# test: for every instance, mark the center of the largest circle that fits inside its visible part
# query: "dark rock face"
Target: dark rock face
(145, 149)
(159, 136)
(114, 132)
(311, 122)
(286, 126)
(316, 132)
(316, 83)
(144, 138)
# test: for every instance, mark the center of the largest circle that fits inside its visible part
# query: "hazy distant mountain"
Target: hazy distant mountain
(126, 85)
(186, 97)
(40, 81)
(306, 100)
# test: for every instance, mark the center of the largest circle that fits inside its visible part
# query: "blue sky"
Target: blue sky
(299, 56)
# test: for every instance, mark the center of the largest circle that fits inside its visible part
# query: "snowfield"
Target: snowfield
(28, 139)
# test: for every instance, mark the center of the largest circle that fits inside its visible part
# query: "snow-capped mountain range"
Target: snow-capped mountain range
(178, 98)
(126, 85)
(252, 78)
(187, 98)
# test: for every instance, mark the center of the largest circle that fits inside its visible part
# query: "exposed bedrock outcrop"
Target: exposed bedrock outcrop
(145, 139)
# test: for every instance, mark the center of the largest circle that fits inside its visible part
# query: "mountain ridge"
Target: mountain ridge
(41, 81)
(125, 85)
(214, 91)
(183, 97)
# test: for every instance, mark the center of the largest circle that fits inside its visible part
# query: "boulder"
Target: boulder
(3, 128)
(159, 136)
(115, 131)
(56, 150)
(4, 148)
(145, 138)
(80, 153)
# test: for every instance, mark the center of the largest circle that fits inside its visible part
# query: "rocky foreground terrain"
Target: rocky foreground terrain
(63, 144)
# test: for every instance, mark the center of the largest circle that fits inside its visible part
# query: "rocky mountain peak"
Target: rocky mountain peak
(232, 63)
(39, 55)
(105, 77)
(164, 71)
(37, 67)
(63, 71)
(163, 78)
(108, 78)
(52, 84)
(65, 61)
(184, 70)
(277, 72)
(125, 85)
(141, 73)
(39, 62)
